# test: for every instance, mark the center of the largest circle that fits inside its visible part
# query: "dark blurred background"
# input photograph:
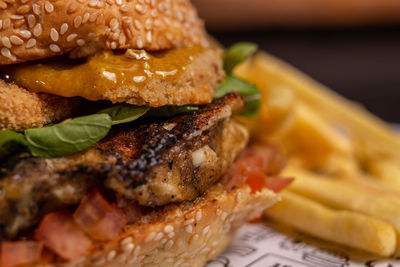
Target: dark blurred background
(359, 59)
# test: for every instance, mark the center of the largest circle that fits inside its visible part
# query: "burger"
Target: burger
(118, 143)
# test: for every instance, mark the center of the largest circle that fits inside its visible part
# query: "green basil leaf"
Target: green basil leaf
(124, 113)
(249, 91)
(68, 137)
(11, 142)
(236, 54)
(170, 111)
(252, 106)
(233, 84)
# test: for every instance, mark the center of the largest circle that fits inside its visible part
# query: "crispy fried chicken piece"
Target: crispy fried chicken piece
(186, 76)
(21, 109)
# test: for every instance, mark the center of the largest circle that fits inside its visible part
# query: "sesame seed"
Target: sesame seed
(157, 23)
(139, 42)
(169, 244)
(168, 228)
(37, 30)
(113, 45)
(93, 3)
(149, 37)
(150, 237)
(128, 248)
(71, 37)
(25, 34)
(6, 23)
(127, 240)
(189, 229)
(63, 28)
(140, 9)
(93, 17)
(139, 79)
(122, 39)
(23, 9)
(205, 250)
(191, 221)
(54, 35)
(31, 43)
(119, 2)
(36, 9)
(193, 239)
(219, 211)
(54, 48)
(80, 42)
(178, 262)
(239, 197)
(124, 8)
(72, 8)
(6, 52)
(171, 235)
(48, 7)
(159, 236)
(198, 215)
(121, 258)
(138, 25)
(224, 215)
(115, 36)
(31, 20)
(77, 21)
(3, 5)
(16, 17)
(169, 260)
(206, 229)
(16, 40)
(111, 255)
(19, 23)
(136, 252)
(85, 18)
(6, 42)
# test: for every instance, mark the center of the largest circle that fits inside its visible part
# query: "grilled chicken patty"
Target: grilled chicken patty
(151, 163)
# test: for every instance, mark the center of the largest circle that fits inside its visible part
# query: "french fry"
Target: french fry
(313, 139)
(387, 171)
(275, 116)
(342, 194)
(355, 197)
(373, 134)
(344, 227)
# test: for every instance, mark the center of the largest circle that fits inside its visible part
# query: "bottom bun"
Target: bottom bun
(188, 234)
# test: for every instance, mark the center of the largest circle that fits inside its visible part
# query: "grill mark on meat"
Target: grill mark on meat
(138, 161)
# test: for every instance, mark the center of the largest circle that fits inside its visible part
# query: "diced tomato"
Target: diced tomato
(98, 218)
(276, 184)
(253, 166)
(62, 235)
(133, 212)
(272, 156)
(20, 253)
(256, 181)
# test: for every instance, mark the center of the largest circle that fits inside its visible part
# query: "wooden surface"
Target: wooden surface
(361, 64)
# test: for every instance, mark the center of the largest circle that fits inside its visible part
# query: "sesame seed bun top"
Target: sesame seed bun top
(32, 30)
